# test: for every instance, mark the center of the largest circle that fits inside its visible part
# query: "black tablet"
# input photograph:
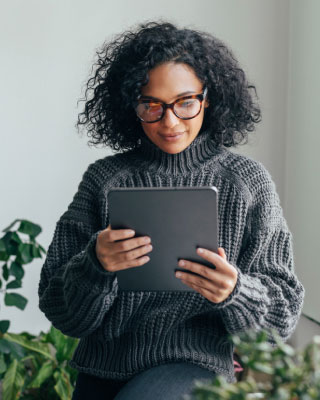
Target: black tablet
(177, 219)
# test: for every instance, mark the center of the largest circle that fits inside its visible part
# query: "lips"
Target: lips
(171, 134)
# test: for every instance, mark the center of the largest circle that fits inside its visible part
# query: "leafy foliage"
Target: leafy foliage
(39, 368)
(15, 253)
(31, 367)
(290, 374)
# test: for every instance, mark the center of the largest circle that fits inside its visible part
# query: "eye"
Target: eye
(185, 103)
(149, 110)
(153, 105)
(150, 105)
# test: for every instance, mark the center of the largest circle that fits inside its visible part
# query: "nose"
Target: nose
(170, 119)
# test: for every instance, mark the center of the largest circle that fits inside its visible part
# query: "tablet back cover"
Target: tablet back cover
(177, 219)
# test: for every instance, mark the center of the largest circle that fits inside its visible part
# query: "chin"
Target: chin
(174, 148)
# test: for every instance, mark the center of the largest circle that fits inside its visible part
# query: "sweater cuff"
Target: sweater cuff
(248, 290)
(86, 271)
(232, 296)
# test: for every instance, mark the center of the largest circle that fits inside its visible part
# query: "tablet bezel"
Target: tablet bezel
(126, 206)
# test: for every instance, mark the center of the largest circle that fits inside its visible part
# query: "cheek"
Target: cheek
(148, 128)
(196, 123)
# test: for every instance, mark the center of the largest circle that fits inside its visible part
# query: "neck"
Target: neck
(192, 157)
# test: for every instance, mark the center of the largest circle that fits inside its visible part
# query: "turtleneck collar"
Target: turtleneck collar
(201, 150)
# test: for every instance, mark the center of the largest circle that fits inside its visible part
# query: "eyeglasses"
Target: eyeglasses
(184, 108)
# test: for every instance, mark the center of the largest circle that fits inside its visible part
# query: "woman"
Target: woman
(172, 101)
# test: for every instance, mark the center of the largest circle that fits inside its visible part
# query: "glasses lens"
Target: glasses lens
(187, 108)
(149, 111)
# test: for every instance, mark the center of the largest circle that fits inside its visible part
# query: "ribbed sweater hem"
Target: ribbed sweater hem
(230, 378)
(130, 354)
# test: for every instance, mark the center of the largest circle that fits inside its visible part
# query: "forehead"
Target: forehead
(168, 80)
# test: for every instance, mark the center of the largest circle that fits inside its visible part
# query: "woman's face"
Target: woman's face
(168, 82)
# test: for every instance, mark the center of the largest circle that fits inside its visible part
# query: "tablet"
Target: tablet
(177, 219)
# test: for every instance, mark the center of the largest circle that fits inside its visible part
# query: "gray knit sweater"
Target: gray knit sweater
(122, 332)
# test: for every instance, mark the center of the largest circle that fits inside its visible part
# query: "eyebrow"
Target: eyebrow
(178, 95)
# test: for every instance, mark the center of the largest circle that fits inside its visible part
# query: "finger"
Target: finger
(133, 254)
(200, 269)
(129, 244)
(222, 253)
(216, 278)
(214, 258)
(195, 279)
(119, 234)
(131, 264)
(199, 282)
(209, 294)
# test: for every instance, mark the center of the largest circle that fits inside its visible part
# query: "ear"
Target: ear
(206, 103)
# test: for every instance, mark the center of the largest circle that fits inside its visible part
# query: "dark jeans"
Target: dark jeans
(94, 388)
(163, 382)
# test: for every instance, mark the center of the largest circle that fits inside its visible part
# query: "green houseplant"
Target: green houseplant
(31, 367)
(289, 374)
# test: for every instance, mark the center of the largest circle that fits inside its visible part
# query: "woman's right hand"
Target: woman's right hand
(115, 250)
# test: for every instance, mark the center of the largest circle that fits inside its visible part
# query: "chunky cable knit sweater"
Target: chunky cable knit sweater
(123, 333)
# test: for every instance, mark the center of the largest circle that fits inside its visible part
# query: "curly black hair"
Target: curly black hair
(121, 69)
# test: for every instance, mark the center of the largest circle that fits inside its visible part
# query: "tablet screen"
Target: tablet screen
(177, 219)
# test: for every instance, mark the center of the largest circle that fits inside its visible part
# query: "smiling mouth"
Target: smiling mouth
(172, 134)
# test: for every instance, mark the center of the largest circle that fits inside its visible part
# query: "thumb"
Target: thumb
(222, 253)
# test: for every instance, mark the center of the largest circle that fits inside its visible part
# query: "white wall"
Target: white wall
(303, 165)
(47, 51)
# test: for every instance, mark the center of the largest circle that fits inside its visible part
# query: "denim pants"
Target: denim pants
(174, 381)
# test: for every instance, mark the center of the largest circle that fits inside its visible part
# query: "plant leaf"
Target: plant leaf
(16, 270)
(4, 325)
(69, 347)
(35, 251)
(3, 365)
(59, 341)
(63, 386)
(42, 249)
(13, 381)
(257, 366)
(5, 272)
(16, 284)
(2, 246)
(15, 237)
(43, 374)
(11, 225)
(28, 335)
(33, 345)
(4, 256)
(29, 228)
(25, 254)
(15, 299)
(11, 243)
(13, 349)
(65, 345)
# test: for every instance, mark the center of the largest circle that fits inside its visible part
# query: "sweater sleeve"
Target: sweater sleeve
(75, 291)
(268, 294)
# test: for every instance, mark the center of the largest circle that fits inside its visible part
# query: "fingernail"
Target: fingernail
(200, 250)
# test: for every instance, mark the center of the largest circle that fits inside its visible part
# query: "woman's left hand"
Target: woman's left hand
(214, 284)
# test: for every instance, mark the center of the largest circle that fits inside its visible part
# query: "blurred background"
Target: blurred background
(47, 49)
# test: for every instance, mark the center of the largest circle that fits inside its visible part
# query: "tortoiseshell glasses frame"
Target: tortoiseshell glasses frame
(150, 111)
